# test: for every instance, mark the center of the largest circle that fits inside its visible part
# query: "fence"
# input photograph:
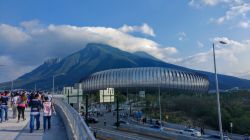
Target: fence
(75, 125)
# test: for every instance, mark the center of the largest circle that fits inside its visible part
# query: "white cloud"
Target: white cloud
(12, 36)
(29, 44)
(182, 36)
(31, 25)
(227, 55)
(244, 24)
(144, 28)
(200, 3)
(234, 11)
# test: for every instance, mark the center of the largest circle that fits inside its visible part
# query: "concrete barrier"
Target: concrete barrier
(75, 125)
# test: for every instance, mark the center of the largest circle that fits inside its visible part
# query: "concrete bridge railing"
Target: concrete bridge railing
(75, 125)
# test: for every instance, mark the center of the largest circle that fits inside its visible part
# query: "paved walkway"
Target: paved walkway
(11, 130)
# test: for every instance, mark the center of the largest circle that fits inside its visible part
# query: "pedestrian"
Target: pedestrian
(35, 106)
(104, 123)
(4, 106)
(47, 112)
(14, 103)
(95, 134)
(0, 108)
(22, 102)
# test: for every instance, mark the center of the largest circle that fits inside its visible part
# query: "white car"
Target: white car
(191, 132)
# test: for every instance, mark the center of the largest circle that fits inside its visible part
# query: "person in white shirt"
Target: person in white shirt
(14, 103)
(47, 112)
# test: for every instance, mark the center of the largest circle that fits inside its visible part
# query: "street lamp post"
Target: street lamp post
(53, 85)
(12, 85)
(159, 99)
(217, 92)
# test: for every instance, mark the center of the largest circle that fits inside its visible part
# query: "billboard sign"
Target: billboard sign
(142, 94)
(107, 95)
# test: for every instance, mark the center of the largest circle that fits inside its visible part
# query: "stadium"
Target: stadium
(147, 77)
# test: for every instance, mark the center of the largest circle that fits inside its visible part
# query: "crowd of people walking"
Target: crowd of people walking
(20, 100)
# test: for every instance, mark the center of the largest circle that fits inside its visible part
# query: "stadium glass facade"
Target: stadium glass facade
(147, 77)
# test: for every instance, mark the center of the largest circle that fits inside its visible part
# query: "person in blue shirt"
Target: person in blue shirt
(4, 106)
(35, 107)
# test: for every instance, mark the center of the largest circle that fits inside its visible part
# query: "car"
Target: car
(191, 132)
(155, 126)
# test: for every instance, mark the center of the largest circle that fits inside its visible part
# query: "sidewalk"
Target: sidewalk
(12, 130)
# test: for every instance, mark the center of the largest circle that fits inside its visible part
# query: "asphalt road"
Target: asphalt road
(138, 131)
(171, 130)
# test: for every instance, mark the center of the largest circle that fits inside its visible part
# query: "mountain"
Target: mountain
(98, 57)
(145, 55)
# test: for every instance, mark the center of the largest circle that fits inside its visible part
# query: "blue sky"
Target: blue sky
(179, 32)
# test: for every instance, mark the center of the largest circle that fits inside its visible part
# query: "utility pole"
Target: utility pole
(68, 96)
(117, 111)
(159, 98)
(78, 100)
(218, 92)
(12, 85)
(86, 106)
(53, 85)
(35, 87)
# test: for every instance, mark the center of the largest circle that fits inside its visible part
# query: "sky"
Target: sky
(180, 32)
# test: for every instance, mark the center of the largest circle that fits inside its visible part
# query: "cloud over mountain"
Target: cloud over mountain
(31, 43)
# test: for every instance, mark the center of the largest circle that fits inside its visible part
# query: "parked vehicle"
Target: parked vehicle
(92, 120)
(155, 126)
(191, 132)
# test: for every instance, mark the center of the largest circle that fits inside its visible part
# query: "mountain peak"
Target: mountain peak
(100, 46)
(52, 61)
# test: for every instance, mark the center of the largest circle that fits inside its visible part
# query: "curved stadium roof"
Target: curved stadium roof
(147, 77)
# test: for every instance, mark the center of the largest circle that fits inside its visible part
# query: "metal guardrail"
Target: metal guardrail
(76, 127)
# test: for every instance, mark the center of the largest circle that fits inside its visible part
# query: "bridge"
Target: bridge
(67, 124)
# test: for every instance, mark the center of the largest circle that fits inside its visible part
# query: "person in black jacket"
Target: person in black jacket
(35, 107)
(4, 106)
